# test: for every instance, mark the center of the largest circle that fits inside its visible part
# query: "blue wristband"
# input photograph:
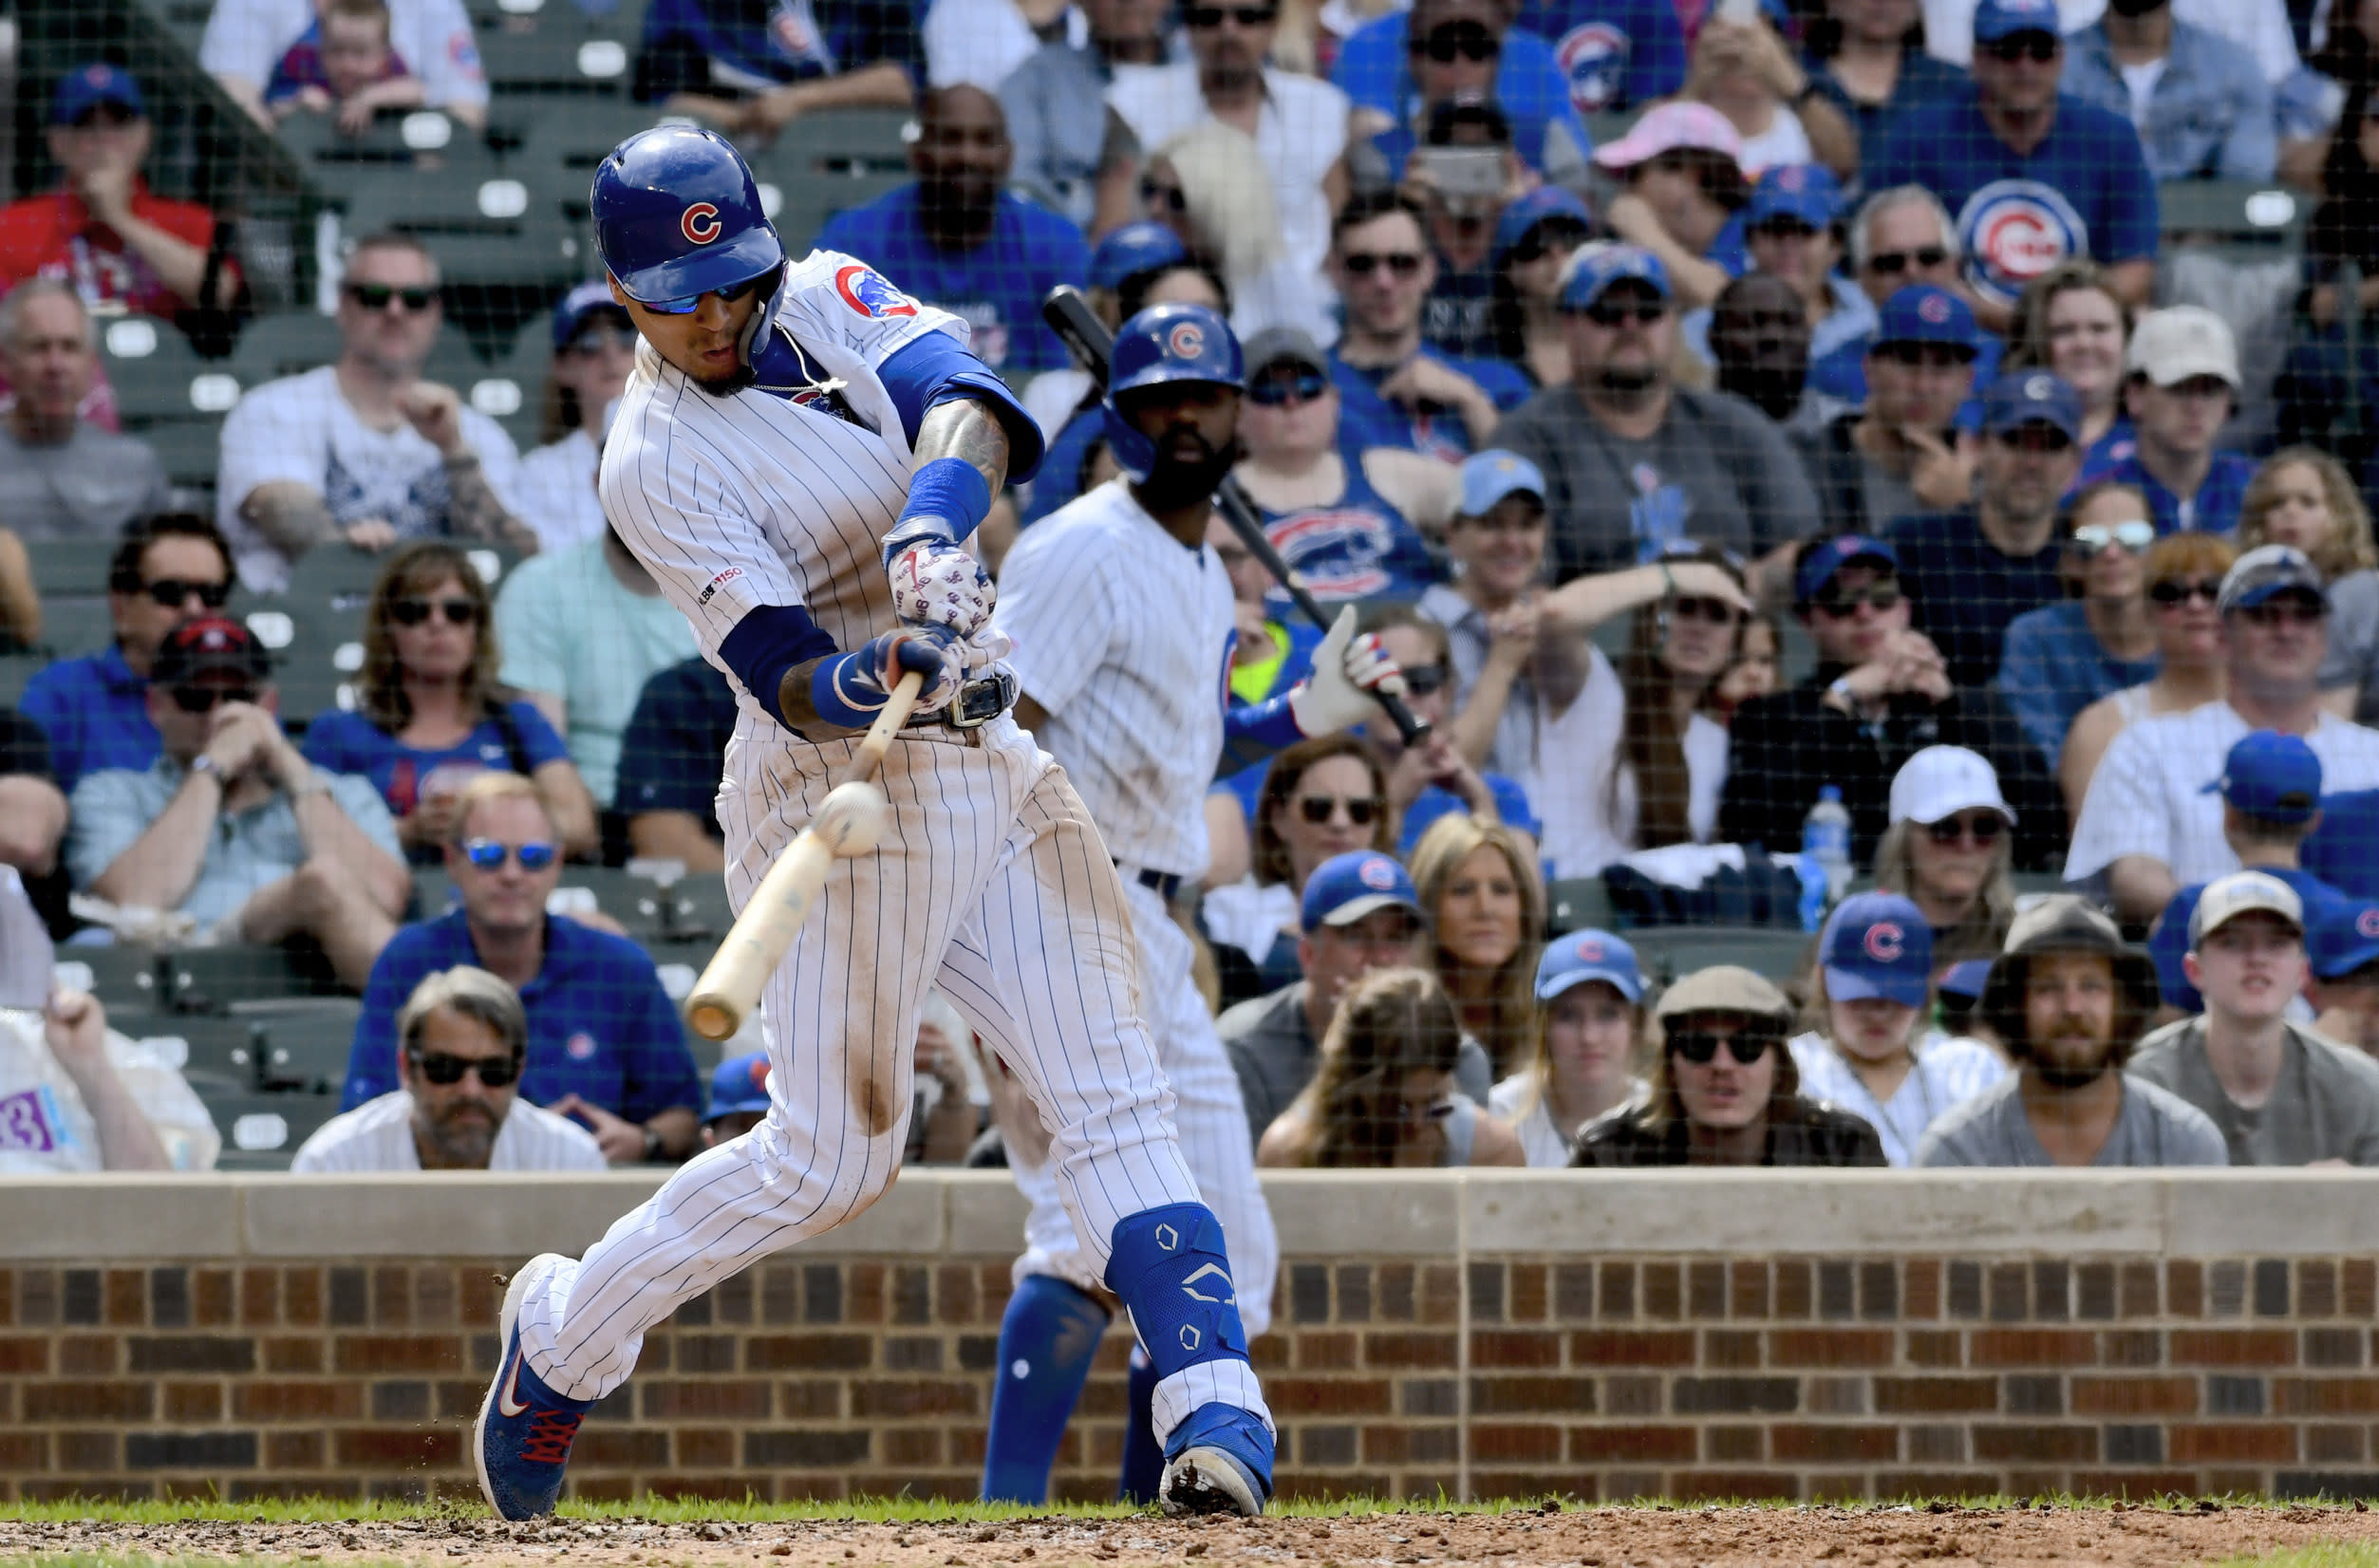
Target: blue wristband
(832, 696)
(950, 491)
(1270, 723)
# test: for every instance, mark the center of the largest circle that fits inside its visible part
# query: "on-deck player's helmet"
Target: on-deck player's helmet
(1166, 342)
(678, 214)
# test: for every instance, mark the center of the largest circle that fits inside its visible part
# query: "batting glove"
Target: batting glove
(934, 580)
(851, 689)
(1348, 671)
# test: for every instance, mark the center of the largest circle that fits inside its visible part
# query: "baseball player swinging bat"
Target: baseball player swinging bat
(1086, 337)
(847, 823)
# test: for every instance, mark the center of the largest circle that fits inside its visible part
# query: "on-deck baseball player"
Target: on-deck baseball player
(1122, 622)
(796, 459)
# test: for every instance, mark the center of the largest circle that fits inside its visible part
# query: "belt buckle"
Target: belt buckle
(981, 702)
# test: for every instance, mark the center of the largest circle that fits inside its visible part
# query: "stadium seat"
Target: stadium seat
(210, 979)
(262, 1131)
(2234, 213)
(157, 376)
(285, 345)
(1578, 904)
(191, 451)
(221, 1051)
(15, 670)
(124, 976)
(70, 567)
(1666, 952)
(301, 1044)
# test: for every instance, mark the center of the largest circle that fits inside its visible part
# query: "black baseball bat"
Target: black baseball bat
(1086, 337)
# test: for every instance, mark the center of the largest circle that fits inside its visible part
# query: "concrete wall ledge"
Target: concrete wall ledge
(1320, 1214)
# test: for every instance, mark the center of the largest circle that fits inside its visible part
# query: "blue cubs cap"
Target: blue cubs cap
(1545, 202)
(1878, 944)
(1924, 312)
(677, 213)
(572, 310)
(1346, 887)
(2344, 936)
(1966, 979)
(1593, 273)
(2271, 776)
(1489, 477)
(85, 86)
(1998, 19)
(740, 1083)
(1806, 191)
(1835, 553)
(1132, 249)
(1576, 957)
(2032, 397)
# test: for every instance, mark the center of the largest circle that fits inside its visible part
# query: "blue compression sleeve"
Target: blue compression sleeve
(1048, 1337)
(769, 642)
(934, 368)
(950, 491)
(1253, 731)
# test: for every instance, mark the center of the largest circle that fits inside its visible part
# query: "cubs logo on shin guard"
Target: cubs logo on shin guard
(1168, 1267)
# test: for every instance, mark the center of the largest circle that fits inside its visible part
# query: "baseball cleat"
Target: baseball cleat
(1219, 1461)
(521, 1441)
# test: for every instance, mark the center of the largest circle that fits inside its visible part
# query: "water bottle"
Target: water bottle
(1824, 856)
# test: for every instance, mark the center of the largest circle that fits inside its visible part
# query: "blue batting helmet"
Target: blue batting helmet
(677, 214)
(1166, 342)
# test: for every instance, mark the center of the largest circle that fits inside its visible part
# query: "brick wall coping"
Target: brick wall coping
(1417, 1214)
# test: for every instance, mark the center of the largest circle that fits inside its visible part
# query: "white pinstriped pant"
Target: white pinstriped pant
(992, 883)
(1208, 1112)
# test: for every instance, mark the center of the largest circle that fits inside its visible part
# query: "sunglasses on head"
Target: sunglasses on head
(445, 1071)
(1319, 808)
(2134, 535)
(2039, 47)
(1700, 1046)
(1610, 312)
(195, 699)
(1843, 603)
(688, 306)
(172, 592)
(412, 612)
(1403, 264)
(1464, 40)
(2169, 594)
(1300, 387)
(1983, 828)
(1891, 263)
(489, 855)
(1209, 17)
(375, 296)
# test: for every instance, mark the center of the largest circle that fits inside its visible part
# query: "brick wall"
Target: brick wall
(1869, 1371)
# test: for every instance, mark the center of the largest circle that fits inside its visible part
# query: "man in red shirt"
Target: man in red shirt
(101, 233)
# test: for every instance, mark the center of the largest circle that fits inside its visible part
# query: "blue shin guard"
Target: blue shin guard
(1169, 1267)
(1047, 1339)
(1143, 1460)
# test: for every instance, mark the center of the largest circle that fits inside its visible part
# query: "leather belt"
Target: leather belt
(1163, 883)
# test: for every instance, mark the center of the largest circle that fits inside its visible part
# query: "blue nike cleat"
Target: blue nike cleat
(1218, 1462)
(521, 1442)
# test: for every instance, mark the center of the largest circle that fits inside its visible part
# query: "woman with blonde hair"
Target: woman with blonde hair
(1479, 884)
(2184, 582)
(1948, 852)
(2303, 497)
(1384, 1096)
(1209, 185)
(1588, 1018)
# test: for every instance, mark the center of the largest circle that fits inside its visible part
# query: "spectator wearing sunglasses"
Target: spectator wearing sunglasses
(1758, 337)
(1399, 390)
(1900, 239)
(62, 476)
(1455, 57)
(231, 825)
(430, 713)
(462, 1040)
(1904, 452)
(363, 450)
(2181, 388)
(2063, 657)
(2150, 826)
(2067, 1000)
(102, 232)
(2303, 497)
(1726, 1091)
(1682, 168)
(2015, 157)
(1434, 778)
(1948, 849)
(1385, 1094)
(1881, 693)
(1971, 570)
(594, 348)
(2183, 574)
(168, 567)
(1632, 460)
(604, 1045)
(1534, 239)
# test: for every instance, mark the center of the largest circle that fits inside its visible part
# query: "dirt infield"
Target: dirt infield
(1939, 1537)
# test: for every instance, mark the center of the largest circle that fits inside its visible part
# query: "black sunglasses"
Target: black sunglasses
(1842, 605)
(1319, 808)
(1273, 391)
(1173, 197)
(1891, 263)
(1210, 17)
(1701, 1047)
(1643, 312)
(2175, 591)
(195, 699)
(2293, 608)
(1984, 828)
(1404, 264)
(412, 612)
(375, 296)
(445, 1071)
(1424, 680)
(2039, 47)
(172, 592)
(1565, 233)
(1464, 40)
(1695, 607)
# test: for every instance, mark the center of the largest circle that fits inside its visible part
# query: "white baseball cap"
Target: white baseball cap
(2173, 344)
(2243, 893)
(1940, 781)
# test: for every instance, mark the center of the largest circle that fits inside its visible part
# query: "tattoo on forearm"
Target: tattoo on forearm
(473, 510)
(965, 428)
(293, 519)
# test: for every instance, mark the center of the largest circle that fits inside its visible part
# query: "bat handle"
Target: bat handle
(894, 714)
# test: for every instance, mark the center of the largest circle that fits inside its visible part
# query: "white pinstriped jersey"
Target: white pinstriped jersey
(1123, 636)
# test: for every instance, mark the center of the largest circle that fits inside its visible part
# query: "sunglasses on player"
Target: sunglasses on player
(688, 306)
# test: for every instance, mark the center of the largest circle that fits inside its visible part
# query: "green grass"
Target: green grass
(2330, 1555)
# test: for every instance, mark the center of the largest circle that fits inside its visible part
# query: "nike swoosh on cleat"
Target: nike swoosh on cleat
(509, 1402)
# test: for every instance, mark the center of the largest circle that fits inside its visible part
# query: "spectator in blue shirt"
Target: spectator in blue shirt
(168, 567)
(2208, 113)
(957, 239)
(605, 1044)
(751, 69)
(669, 764)
(1454, 54)
(1681, 164)
(2032, 176)
(1867, 59)
(2063, 657)
(1614, 54)
(2182, 387)
(429, 713)
(1900, 237)
(1399, 390)
(1793, 229)
(2069, 322)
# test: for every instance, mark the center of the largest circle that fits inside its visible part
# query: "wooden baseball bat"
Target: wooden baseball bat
(849, 823)
(1069, 315)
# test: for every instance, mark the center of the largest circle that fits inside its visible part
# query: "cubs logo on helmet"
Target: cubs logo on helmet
(2013, 231)
(1884, 942)
(864, 290)
(700, 223)
(1187, 340)
(1593, 59)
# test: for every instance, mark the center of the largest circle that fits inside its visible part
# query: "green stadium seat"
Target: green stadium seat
(121, 976)
(15, 670)
(301, 1043)
(262, 1131)
(1578, 904)
(157, 376)
(554, 52)
(2238, 214)
(1665, 952)
(191, 451)
(286, 345)
(223, 1052)
(77, 567)
(211, 979)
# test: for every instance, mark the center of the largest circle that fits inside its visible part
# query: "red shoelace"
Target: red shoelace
(550, 1436)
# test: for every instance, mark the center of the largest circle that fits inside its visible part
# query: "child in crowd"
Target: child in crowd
(344, 66)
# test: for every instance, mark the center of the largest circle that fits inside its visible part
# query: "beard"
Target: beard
(1172, 483)
(2069, 1070)
(464, 1135)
